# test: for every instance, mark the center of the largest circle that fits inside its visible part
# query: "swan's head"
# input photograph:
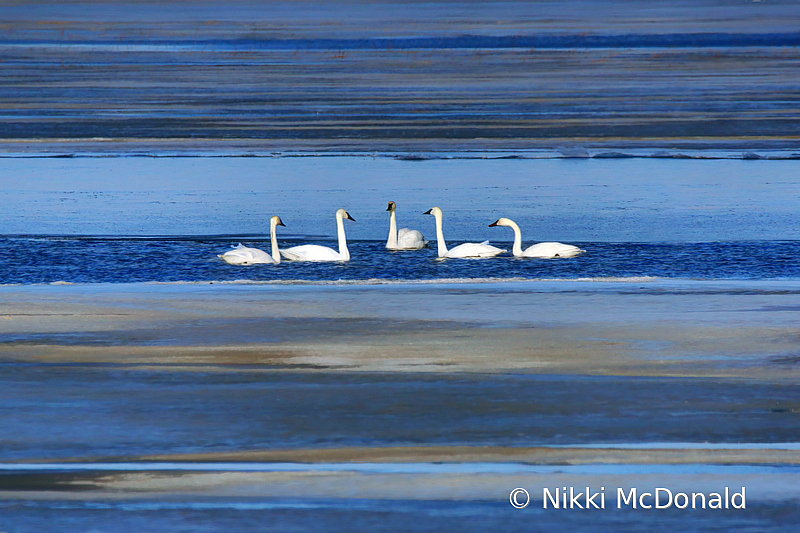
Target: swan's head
(502, 222)
(434, 211)
(344, 214)
(392, 206)
(276, 221)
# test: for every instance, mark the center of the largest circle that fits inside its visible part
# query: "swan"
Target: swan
(466, 250)
(404, 239)
(543, 249)
(314, 252)
(242, 255)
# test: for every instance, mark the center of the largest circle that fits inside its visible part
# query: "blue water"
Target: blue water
(633, 200)
(632, 40)
(48, 259)
(117, 411)
(306, 514)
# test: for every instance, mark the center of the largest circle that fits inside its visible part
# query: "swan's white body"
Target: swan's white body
(314, 252)
(546, 250)
(243, 255)
(468, 250)
(403, 239)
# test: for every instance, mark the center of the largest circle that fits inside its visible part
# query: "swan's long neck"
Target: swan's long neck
(276, 255)
(442, 246)
(343, 251)
(392, 241)
(517, 250)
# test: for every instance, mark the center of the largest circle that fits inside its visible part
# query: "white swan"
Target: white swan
(242, 255)
(404, 239)
(472, 250)
(314, 252)
(543, 249)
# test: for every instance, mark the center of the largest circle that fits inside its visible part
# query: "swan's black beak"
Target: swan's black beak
(390, 206)
(280, 223)
(348, 217)
(493, 224)
(428, 212)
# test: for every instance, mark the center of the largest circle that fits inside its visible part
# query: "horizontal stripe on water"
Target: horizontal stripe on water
(401, 468)
(668, 40)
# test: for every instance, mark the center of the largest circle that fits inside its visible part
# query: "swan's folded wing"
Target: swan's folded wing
(311, 252)
(260, 256)
(489, 250)
(410, 239)
(232, 258)
(474, 250)
(492, 251)
(244, 255)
